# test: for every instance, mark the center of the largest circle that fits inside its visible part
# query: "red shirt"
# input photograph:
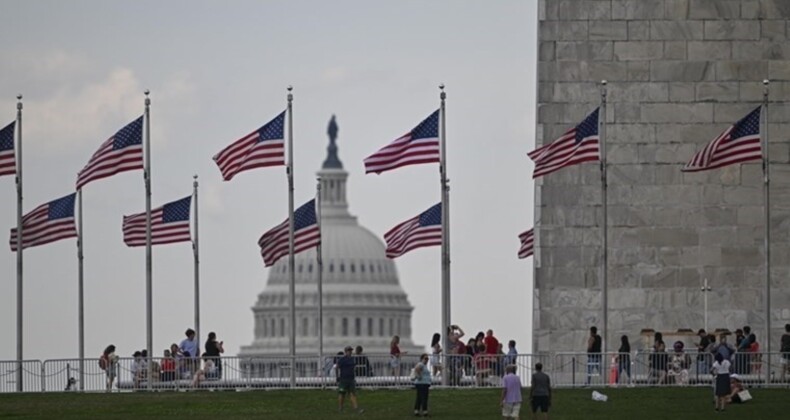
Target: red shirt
(395, 350)
(492, 344)
(168, 365)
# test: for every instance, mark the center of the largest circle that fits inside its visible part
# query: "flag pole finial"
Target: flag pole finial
(147, 99)
(19, 101)
(442, 95)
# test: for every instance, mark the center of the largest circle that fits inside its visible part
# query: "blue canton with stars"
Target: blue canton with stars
(748, 126)
(130, 135)
(61, 208)
(588, 127)
(7, 137)
(428, 128)
(273, 130)
(177, 211)
(432, 216)
(304, 216)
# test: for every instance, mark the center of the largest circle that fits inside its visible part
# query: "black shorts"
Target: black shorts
(347, 386)
(541, 403)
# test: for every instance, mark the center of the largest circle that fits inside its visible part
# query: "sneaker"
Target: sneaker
(361, 410)
(416, 413)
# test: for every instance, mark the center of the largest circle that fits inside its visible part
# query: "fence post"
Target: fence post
(573, 371)
(43, 376)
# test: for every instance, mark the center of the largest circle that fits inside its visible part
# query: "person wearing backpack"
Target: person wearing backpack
(108, 362)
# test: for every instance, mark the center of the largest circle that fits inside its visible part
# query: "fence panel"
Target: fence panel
(31, 375)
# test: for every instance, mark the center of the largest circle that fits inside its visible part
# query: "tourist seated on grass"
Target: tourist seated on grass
(736, 386)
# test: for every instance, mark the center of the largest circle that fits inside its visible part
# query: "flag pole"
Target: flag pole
(604, 201)
(80, 290)
(196, 253)
(446, 319)
(320, 263)
(291, 265)
(149, 324)
(767, 210)
(19, 272)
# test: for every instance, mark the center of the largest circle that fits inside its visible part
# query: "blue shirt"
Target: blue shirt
(345, 367)
(190, 346)
(423, 377)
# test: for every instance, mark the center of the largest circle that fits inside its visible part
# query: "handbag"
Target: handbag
(744, 395)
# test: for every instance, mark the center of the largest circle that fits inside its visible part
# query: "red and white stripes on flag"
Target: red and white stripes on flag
(169, 224)
(7, 151)
(738, 143)
(577, 145)
(420, 145)
(47, 223)
(423, 230)
(527, 242)
(263, 147)
(121, 152)
(274, 243)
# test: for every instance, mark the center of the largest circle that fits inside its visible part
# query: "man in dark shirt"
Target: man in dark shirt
(703, 356)
(784, 347)
(345, 379)
(214, 349)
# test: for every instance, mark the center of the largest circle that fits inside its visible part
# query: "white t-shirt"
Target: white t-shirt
(721, 368)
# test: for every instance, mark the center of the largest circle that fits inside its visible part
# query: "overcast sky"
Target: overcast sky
(218, 70)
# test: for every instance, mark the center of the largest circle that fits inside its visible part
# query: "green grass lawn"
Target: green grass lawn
(627, 404)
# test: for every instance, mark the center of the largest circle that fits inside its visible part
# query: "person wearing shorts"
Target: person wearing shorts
(346, 382)
(511, 393)
(540, 391)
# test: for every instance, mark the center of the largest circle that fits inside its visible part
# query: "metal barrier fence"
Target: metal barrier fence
(638, 369)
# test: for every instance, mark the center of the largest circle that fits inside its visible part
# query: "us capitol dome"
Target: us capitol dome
(363, 302)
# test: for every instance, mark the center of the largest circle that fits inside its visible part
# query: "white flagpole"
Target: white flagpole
(196, 252)
(291, 265)
(320, 263)
(446, 313)
(19, 272)
(148, 263)
(767, 210)
(80, 290)
(604, 202)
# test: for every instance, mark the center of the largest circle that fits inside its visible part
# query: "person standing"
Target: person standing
(540, 392)
(214, 349)
(511, 393)
(784, 347)
(109, 363)
(395, 355)
(436, 354)
(721, 368)
(624, 359)
(593, 353)
(703, 355)
(346, 382)
(422, 383)
(190, 350)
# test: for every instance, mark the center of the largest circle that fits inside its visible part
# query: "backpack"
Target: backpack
(103, 362)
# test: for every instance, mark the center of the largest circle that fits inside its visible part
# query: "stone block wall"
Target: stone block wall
(679, 73)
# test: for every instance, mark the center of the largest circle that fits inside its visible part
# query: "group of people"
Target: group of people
(348, 365)
(484, 356)
(180, 361)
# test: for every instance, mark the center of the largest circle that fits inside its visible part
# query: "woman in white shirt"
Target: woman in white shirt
(721, 368)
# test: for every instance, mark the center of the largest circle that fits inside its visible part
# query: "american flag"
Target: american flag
(263, 147)
(577, 145)
(739, 143)
(169, 224)
(423, 230)
(420, 145)
(274, 243)
(47, 223)
(527, 242)
(121, 152)
(7, 158)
